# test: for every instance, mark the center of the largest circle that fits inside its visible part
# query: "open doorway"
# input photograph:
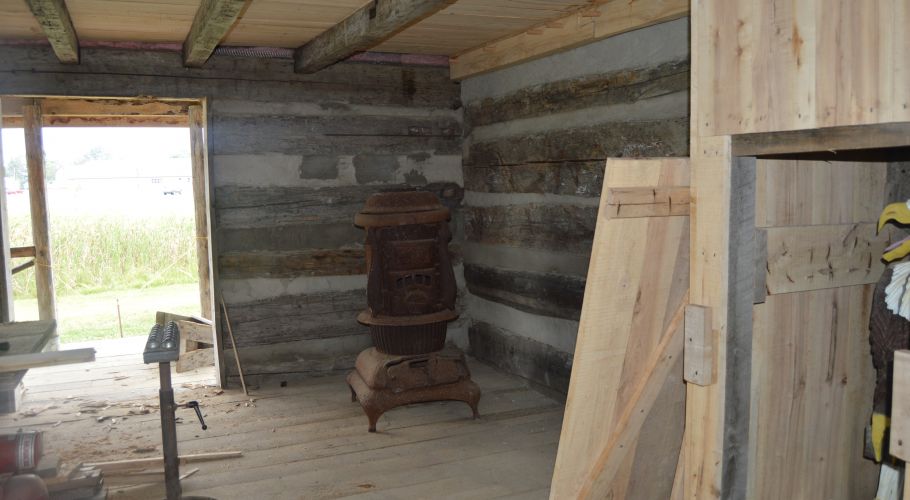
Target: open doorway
(109, 226)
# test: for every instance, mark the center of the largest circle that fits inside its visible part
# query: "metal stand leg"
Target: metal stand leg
(169, 433)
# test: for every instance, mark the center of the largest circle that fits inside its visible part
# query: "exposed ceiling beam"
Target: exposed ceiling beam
(363, 30)
(590, 24)
(57, 25)
(213, 20)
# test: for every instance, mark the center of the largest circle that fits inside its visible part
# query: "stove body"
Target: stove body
(411, 298)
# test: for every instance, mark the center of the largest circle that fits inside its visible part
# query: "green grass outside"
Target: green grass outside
(94, 316)
(96, 254)
(147, 264)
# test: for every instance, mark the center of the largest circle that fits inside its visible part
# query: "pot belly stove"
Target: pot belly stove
(411, 299)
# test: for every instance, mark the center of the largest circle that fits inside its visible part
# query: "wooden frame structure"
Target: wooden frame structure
(35, 112)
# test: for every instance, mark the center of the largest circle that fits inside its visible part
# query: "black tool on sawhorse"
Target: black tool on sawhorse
(162, 348)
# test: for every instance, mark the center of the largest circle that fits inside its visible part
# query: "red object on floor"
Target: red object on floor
(20, 452)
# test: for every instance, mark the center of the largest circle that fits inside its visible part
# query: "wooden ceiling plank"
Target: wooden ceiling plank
(584, 26)
(55, 20)
(364, 29)
(212, 22)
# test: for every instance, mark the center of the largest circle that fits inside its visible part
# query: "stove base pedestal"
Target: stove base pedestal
(381, 382)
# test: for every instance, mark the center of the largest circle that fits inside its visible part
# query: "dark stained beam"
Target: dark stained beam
(363, 30)
(213, 20)
(55, 20)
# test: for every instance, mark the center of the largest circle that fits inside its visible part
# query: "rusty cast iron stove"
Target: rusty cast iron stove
(411, 298)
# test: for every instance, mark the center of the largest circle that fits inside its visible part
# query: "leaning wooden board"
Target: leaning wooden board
(625, 411)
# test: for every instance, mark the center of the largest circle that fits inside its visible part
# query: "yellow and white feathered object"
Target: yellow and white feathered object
(897, 294)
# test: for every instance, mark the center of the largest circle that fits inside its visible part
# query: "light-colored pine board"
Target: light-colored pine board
(699, 346)
(647, 202)
(805, 192)
(899, 446)
(17, 362)
(803, 258)
(811, 396)
(630, 327)
(589, 24)
(779, 65)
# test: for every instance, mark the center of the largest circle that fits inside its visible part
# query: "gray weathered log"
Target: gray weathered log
(129, 73)
(318, 262)
(296, 317)
(54, 19)
(367, 27)
(567, 228)
(211, 24)
(545, 294)
(668, 137)
(618, 87)
(578, 178)
(242, 206)
(535, 361)
(336, 135)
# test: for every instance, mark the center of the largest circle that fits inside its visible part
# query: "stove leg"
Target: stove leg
(373, 419)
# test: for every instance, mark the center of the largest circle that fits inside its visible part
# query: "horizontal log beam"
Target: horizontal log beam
(369, 26)
(55, 20)
(587, 25)
(213, 20)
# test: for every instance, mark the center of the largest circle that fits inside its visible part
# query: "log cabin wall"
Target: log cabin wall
(292, 158)
(536, 139)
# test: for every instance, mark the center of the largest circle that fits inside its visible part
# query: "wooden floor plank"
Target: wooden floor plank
(304, 440)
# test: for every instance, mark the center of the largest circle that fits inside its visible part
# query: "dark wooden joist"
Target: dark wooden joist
(55, 20)
(213, 20)
(369, 26)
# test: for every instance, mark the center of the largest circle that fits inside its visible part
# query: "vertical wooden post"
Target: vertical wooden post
(37, 189)
(200, 203)
(6, 283)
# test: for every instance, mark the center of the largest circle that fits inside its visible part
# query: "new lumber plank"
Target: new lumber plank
(17, 362)
(362, 30)
(648, 202)
(143, 463)
(900, 407)
(211, 24)
(629, 338)
(587, 25)
(803, 258)
(55, 20)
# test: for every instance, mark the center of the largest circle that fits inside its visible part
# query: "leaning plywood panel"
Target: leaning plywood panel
(625, 410)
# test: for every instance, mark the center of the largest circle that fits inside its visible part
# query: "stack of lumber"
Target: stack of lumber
(82, 483)
(196, 340)
(151, 470)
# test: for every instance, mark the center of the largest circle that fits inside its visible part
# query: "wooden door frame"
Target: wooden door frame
(119, 112)
(6, 289)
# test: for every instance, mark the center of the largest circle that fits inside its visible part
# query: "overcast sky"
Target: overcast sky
(68, 145)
